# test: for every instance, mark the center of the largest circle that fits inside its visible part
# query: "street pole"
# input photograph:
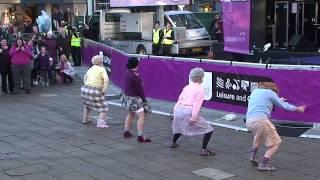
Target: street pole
(90, 7)
(48, 8)
(161, 16)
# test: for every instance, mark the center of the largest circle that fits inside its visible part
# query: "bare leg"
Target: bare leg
(254, 150)
(86, 113)
(128, 122)
(264, 164)
(140, 127)
(256, 141)
(271, 150)
(140, 124)
(127, 125)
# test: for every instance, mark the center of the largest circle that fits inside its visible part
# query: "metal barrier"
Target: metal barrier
(230, 69)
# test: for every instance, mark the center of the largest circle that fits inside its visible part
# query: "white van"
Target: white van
(132, 32)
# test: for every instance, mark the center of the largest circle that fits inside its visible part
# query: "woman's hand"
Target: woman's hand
(283, 99)
(192, 122)
(301, 109)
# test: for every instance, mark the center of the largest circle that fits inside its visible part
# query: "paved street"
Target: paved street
(42, 138)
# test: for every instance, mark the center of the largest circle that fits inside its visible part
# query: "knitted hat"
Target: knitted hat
(133, 62)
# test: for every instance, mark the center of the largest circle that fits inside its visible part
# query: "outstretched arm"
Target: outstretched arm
(280, 102)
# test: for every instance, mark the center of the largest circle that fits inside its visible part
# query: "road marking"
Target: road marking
(211, 173)
(48, 95)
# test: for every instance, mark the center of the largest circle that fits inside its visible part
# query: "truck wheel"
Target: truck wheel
(141, 50)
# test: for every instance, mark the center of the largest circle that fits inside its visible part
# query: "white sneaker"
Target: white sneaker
(102, 124)
(35, 83)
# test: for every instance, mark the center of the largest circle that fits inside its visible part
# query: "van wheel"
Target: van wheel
(141, 50)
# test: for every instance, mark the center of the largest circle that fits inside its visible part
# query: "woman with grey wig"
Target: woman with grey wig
(186, 113)
(96, 82)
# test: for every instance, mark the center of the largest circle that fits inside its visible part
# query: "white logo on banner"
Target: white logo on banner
(207, 85)
(228, 84)
(220, 83)
(254, 85)
(244, 85)
(236, 86)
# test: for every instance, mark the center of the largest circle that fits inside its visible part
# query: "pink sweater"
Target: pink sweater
(20, 57)
(192, 95)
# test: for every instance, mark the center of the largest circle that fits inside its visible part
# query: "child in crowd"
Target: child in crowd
(33, 47)
(43, 66)
(66, 70)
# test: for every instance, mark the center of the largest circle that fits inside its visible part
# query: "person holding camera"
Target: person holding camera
(21, 58)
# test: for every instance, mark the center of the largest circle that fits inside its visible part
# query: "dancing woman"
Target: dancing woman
(186, 113)
(261, 103)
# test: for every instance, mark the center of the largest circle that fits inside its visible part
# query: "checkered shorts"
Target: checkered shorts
(93, 99)
(264, 131)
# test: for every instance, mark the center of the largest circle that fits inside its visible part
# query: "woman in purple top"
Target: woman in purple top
(21, 66)
(133, 100)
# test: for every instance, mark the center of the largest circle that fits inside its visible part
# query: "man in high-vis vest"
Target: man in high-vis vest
(76, 47)
(157, 36)
(168, 40)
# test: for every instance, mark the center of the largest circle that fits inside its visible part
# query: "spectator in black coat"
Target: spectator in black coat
(63, 43)
(5, 67)
(86, 32)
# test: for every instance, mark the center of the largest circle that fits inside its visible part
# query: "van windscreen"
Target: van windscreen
(189, 21)
(112, 17)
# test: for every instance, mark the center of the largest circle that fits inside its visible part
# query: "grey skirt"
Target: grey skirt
(181, 125)
(131, 103)
(93, 99)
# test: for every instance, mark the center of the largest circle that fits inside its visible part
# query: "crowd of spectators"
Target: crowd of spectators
(35, 59)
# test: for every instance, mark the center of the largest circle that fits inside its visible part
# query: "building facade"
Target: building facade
(31, 9)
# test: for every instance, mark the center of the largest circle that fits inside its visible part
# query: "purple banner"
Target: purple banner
(91, 49)
(129, 3)
(236, 26)
(227, 87)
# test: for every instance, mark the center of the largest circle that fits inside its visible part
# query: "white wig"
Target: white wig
(96, 60)
(196, 74)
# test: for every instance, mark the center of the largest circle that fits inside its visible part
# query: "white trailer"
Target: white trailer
(132, 32)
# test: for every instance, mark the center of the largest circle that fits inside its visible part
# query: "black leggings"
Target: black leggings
(4, 77)
(205, 141)
(76, 55)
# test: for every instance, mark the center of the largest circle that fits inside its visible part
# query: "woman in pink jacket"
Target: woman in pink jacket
(186, 113)
(21, 66)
